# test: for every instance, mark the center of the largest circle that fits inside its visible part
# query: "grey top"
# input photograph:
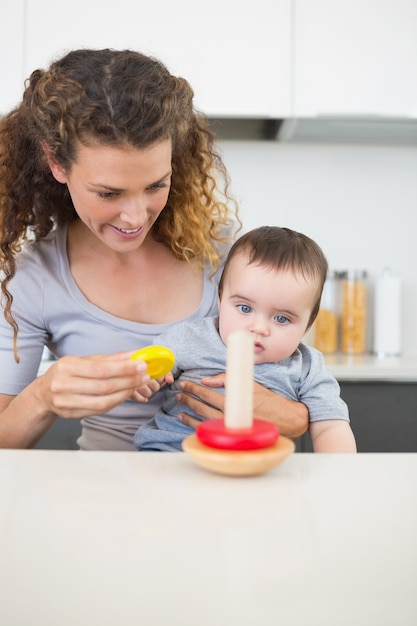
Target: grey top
(199, 351)
(50, 310)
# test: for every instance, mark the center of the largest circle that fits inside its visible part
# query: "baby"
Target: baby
(271, 285)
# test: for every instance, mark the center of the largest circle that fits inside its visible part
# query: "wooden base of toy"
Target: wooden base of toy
(238, 462)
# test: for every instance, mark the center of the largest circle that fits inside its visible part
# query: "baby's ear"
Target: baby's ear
(57, 170)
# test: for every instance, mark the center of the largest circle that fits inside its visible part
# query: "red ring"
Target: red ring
(213, 433)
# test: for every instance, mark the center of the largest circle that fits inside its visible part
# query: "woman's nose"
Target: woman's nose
(133, 210)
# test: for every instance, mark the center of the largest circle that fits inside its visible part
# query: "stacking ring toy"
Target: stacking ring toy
(213, 433)
(160, 360)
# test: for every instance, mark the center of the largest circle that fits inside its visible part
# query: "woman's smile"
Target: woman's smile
(128, 233)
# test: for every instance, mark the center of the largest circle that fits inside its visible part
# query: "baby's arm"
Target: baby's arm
(147, 391)
(332, 436)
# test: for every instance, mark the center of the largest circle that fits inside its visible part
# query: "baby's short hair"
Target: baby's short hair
(281, 248)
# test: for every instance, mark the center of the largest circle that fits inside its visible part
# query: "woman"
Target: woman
(114, 224)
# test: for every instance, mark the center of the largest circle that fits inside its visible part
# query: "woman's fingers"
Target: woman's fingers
(205, 402)
(82, 386)
(186, 419)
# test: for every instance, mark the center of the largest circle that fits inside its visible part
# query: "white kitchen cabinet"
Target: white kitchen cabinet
(355, 57)
(298, 58)
(236, 57)
(11, 54)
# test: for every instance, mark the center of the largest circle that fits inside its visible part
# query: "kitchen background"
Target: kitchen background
(358, 202)
(351, 61)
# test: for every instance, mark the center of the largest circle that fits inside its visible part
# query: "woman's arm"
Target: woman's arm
(22, 422)
(290, 416)
(73, 388)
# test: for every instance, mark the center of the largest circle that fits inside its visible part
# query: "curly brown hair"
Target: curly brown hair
(113, 98)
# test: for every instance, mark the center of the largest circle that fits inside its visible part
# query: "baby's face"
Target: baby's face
(274, 306)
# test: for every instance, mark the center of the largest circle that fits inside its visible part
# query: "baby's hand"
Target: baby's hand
(147, 391)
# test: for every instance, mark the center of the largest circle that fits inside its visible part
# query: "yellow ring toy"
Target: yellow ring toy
(160, 360)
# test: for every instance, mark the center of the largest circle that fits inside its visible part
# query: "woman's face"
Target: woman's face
(118, 192)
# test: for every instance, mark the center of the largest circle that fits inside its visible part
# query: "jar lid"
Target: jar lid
(331, 274)
(354, 274)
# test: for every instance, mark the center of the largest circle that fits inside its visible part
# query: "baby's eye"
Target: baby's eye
(281, 319)
(244, 308)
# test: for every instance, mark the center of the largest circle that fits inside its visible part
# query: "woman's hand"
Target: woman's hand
(77, 387)
(201, 399)
(290, 416)
(72, 387)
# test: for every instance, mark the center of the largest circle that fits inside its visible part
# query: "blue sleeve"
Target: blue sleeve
(319, 390)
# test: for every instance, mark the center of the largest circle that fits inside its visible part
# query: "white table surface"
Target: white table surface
(120, 539)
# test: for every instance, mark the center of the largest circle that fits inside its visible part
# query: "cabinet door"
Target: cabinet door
(11, 55)
(355, 57)
(383, 415)
(236, 57)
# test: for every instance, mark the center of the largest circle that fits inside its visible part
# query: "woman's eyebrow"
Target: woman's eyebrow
(118, 189)
(107, 187)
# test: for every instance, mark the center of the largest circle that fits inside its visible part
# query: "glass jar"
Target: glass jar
(326, 326)
(354, 311)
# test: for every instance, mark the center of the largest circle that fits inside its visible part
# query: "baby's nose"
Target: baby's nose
(260, 326)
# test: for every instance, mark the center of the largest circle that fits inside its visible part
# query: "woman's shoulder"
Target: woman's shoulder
(40, 261)
(35, 250)
(226, 235)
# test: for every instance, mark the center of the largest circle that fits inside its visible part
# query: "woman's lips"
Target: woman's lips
(127, 233)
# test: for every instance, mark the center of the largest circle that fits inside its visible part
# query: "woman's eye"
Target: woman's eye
(244, 308)
(281, 319)
(158, 186)
(107, 195)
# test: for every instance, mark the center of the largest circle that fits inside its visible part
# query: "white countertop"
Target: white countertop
(368, 367)
(150, 538)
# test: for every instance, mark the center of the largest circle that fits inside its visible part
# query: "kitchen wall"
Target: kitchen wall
(359, 202)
